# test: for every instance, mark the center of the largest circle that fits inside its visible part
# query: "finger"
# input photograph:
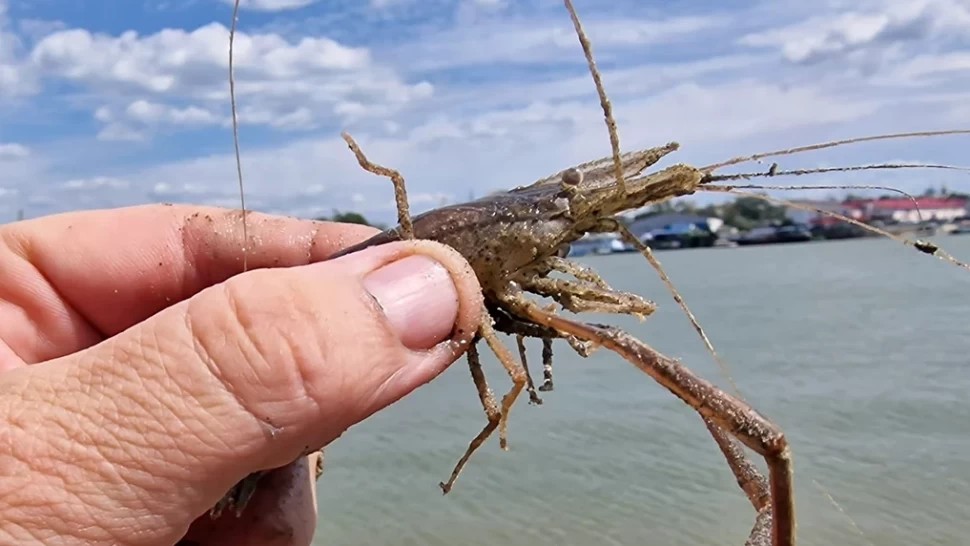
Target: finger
(282, 512)
(83, 276)
(134, 438)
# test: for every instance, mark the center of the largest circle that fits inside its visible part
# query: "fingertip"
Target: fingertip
(431, 285)
(437, 317)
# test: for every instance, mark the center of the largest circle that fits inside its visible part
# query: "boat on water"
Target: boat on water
(908, 229)
(767, 235)
(958, 226)
(680, 235)
(593, 244)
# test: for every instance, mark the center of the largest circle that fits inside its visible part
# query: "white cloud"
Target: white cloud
(931, 69)
(543, 41)
(873, 24)
(133, 121)
(12, 150)
(85, 184)
(176, 60)
(471, 101)
(151, 113)
(271, 5)
(489, 4)
(119, 132)
(163, 189)
(383, 4)
(15, 79)
(281, 83)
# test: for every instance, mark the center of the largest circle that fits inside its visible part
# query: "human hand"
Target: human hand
(141, 375)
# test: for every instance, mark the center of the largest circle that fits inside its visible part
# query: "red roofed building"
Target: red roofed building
(905, 210)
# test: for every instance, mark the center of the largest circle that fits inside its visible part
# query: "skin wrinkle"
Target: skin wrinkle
(28, 456)
(30, 337)
(86, 383)
(10, 295)
(202, 351)
(15, 435)
(166, 393)
(226, 384)
(8, 357)
(186, 418)
(141, 411)
(137, 477)
(52, 299)
(95, 460)
(251, 353)
(200, 443)
(101, 471)
(368, 401)
(297, 307)
(24, 535)
(197, 242)
(140, 473)
(310, 369)
(131, 382)
(297, 358)
(60, 484)
(315, 379)
(348, 382)
(378, 393)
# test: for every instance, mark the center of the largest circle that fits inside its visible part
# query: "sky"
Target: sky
(121, 102)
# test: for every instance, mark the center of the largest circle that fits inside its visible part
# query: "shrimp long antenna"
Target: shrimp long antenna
(235, 132)
(831, 144)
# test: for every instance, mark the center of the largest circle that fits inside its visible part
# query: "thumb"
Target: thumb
(130, 440)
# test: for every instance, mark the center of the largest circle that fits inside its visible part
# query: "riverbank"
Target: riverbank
(668, 239)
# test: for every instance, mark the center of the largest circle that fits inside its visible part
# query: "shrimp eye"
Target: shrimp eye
(572, 177)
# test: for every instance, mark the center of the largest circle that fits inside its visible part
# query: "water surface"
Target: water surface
(857, 349)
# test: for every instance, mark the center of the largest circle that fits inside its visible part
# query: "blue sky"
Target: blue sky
(123, 102)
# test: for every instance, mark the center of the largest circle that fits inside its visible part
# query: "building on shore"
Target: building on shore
(885, 210)
(912, 211)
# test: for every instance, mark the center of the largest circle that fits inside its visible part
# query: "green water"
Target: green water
(857, 349)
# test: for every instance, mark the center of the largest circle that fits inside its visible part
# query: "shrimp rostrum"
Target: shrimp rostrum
(516, 240)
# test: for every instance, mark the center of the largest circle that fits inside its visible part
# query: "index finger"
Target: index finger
(87, 275)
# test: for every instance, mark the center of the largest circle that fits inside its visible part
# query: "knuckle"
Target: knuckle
(257, 346)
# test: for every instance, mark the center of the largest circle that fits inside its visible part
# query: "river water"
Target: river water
(857, 349)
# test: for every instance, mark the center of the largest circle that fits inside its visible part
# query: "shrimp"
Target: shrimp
(515, 240)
